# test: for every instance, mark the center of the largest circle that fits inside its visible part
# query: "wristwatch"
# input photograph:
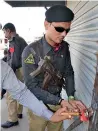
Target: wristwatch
(60, 101)
(71, 98)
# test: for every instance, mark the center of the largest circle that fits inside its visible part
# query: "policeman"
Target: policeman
(57, 25)
(16, 46)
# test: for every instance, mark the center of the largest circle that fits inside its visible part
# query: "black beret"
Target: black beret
(59, 13)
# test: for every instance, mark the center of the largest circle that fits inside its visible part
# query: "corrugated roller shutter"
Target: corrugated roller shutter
(83, 40)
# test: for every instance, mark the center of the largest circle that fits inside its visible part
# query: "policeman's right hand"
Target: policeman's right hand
(57, 117)
(67, 105)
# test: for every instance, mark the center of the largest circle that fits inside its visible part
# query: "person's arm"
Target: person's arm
(69, 75)
(70, 86)
(20, 92)
(16, 48)
(30, 64)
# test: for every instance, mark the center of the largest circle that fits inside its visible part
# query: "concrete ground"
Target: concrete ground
(23, 123)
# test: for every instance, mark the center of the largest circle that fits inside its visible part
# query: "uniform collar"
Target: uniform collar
(13, 36)
(46, 46)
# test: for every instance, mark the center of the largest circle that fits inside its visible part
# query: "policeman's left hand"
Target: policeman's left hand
(77, 105)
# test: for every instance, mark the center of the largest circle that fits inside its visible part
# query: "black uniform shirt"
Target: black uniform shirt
(16, 47)
(61, 61)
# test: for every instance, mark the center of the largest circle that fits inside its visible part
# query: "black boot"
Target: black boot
(20, 116)
(9, 124)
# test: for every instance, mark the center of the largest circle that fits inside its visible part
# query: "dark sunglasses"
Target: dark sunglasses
(61, 29)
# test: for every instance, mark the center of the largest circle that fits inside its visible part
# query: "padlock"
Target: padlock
(84, 116)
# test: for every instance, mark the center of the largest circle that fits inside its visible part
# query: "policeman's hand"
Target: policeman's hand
(67, 106)
(77, 105)
(57, 117)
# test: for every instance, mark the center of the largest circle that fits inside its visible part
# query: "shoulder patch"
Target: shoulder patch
(29, 59)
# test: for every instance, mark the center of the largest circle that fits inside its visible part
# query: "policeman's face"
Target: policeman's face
(56, 31)
(7, 33)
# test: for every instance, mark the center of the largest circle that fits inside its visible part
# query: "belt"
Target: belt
(49, 108)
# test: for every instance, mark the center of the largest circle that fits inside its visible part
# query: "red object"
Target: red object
(84, 116)
(57, 48)
(11, 49)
